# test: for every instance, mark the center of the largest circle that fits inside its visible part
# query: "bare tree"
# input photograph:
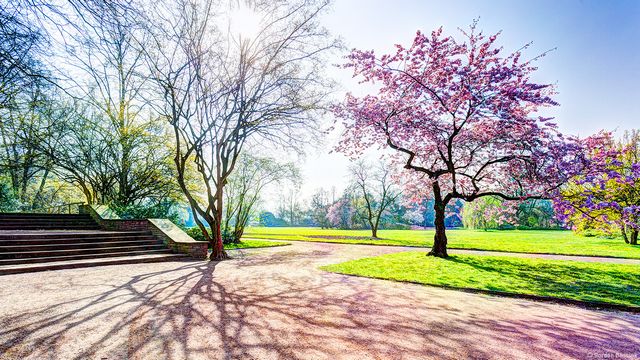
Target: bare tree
(85, 153)
(319, 206)
(377, 190)
(104, 140)
(246, 186)
(290, 208)
(22, 99)
(21, 45)
(23, 123)
(223, 92)
(106, 52)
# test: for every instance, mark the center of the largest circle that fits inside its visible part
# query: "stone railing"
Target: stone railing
(174, 237)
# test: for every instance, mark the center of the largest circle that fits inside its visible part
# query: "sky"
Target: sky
(595, 64)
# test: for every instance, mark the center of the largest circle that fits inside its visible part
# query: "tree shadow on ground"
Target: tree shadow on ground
(258, 307)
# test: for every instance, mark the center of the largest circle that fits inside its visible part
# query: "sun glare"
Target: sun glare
(244, 22)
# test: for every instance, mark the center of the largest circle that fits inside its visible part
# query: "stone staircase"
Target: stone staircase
(36, 242)
(29, 221)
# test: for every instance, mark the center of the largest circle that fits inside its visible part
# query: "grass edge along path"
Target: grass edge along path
(552, 242)
(253, 244)
(591, 284)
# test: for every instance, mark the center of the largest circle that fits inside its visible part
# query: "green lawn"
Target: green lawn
(524, 241)
(592, 282)
(248, 244)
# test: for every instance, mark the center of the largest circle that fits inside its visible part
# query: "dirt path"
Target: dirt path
(275, 304)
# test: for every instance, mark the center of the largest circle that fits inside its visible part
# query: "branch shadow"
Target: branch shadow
(257, 307)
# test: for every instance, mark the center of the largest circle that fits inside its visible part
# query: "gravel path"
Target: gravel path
(275, 304)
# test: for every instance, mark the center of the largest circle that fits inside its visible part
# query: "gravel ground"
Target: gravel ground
(275, 304)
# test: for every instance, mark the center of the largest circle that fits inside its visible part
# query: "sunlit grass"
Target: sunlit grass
(248, 244)
(584, 281)
(523, 241)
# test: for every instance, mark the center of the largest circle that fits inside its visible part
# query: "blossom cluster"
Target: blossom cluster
(608, 192)
(462, 116)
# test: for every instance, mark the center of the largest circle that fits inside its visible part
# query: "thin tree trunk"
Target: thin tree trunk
(633, 239)
(439, 248)
(624, 234)
(241, 221)
(374, 227)
(37, 199)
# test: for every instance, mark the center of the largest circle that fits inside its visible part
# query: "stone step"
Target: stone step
(46, 218)
(61, 234)
(45, 222)
(29, 242)
(73, 240)
(33, 221)
(50, 227)
(20, 247)
(43, 215)
(5, 262)
(79, 251)
(81, 263)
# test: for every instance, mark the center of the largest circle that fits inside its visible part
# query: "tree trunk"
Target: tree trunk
(217, 246)
(238, 231)
(37, 199)
(373, 225)
(439, 248)
(633, 239)
(624, 234)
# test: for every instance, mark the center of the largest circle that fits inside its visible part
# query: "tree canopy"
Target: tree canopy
(462, 118)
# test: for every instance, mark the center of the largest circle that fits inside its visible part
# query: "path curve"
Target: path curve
(274, 303)
(586, 258)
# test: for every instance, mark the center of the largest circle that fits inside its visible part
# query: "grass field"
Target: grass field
(591, 282)
(523, 241)
(248, 244)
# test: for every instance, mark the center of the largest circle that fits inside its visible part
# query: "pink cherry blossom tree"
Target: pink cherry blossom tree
(340, 214)
(462, 117)
(490, 212)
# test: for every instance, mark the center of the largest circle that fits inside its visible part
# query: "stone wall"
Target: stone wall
(163, 229)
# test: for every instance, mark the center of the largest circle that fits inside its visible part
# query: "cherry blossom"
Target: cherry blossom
(462, 117)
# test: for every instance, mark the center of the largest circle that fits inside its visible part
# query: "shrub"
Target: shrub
(165, 209)
(196, 234)
(8, 202)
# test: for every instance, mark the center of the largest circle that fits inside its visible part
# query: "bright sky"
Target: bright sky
(596, 65)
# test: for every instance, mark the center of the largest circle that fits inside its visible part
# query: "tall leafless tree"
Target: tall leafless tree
(105, 53)
(224, 91)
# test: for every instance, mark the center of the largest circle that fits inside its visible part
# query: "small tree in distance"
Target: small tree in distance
(246, 186)
(462, 118)
(377, 190)
(340, 213)
(319, 206)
